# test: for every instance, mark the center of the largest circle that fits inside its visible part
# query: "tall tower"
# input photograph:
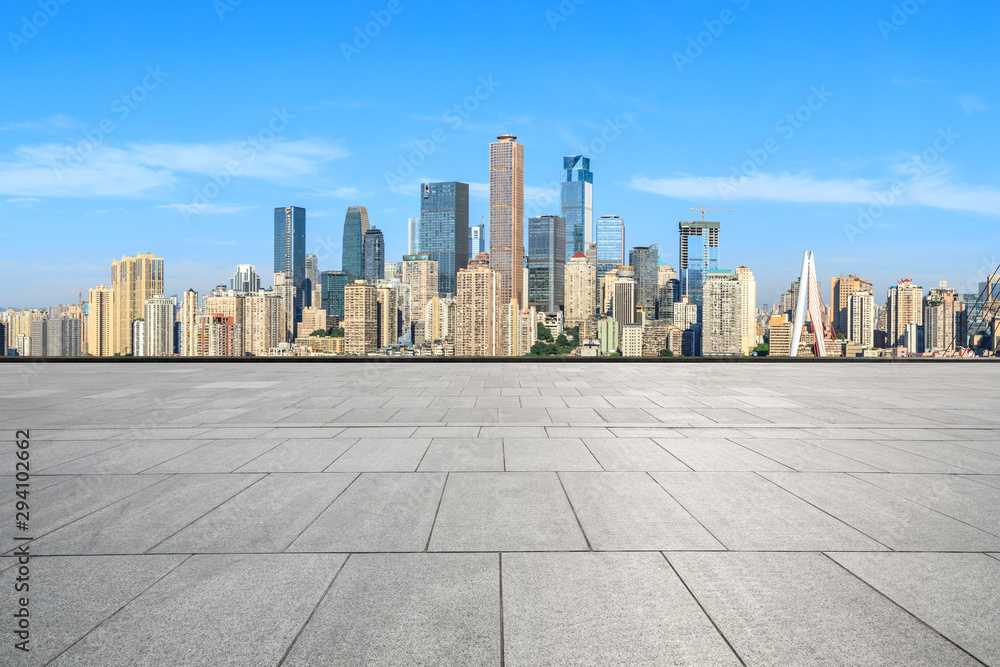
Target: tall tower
(577, 203)
(159, 313)
(374, 250)
(133, 281)
(477, 239)
(355, 226)
(100, 323)
(546, 262)
(290, 251)
(645, 260)
(507, 216)
(699, 254)
(444, 229)
(748, 309)
(610, 244)
(413, 239)
(189, 322)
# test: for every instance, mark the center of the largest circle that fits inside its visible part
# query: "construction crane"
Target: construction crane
(79, 301)
(703, 210)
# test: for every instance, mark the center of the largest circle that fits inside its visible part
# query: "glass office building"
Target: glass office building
(477, 240)
(444, 230)
(646, 263)
(546, 262)
(374, 249)
(577, 203)
(610, 244)
(333, 284)
(699, 254)
(290, 250)
(355, 226)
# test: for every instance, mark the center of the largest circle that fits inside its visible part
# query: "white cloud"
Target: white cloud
(23, 200)
(970, 104)
(199, 209)
(934, 189)
(52, 123)
(140, 169)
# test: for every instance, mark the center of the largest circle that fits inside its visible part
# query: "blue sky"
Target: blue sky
(119, 119)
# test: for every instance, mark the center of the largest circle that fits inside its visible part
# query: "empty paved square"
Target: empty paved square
(507, 513)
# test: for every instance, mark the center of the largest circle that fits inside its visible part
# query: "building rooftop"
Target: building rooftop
(535, 514)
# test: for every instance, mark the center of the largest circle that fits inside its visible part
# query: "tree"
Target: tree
(562, 341)
(337, 333)
(666, 353)
(543, 333)
(761, 350)
(319, 333)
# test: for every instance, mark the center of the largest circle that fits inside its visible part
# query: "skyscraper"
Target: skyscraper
(189, 322)
(413, 240)
(645, 261)
(133, 281)
(581, 291)
(245, 280)
(360, 318)
(699, 254)
(721, 315)
(477, 239)
(374, 249)
(546, 262)
(444, 229)
(577, 203)
(748, 309)
(100, 323)
(290, 251)
(623, 302)
(507, 216)
(311, 281)
(478, 310)
(841, 291)
(355, 226)
(333, 284)
(610, 243)
(420, 272)
(159, 315)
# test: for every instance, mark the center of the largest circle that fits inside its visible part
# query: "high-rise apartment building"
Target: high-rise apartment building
(290, 297)
(245, 280)
(444, 229)
(580, 291)
(721, 314)
(699, 254)
(944, 319)
(139, 338)
(374, 249)
(478, 309)
(624, 301)
(610, 232)
(387, 315)
(353, 252)
(748, 309)
(133, 281)
(413, 236)
(393, 271)
(421, 273)
(842, 290)
(477, 240)
(189, 324)
(645, 261)
(100, 322)
(55, 337)
(861, 316)
(904, 305)
(546, 262)
(360, 318)
(440, 318)
(264, 323)
(290, 252)
(577, 203)
(507, 216)
(333, 284)
(631, 340)
(159, 317)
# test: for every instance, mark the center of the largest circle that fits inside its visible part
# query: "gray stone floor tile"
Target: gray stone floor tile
(574, 432)
(357, 432)
(717, 455)
(463, 454)
(140, 521)
(511, 511)
(680, 417)
(802, 456)
(956, 594)
(896, 522)
(629, 511)
(960, 498)
(407, 609)
(382, 455)
(299, 455)
(217, 456)
(447, 432)
(70, 595)
(575, 416)
(128, 458)
(603, 609)
(378, 512)
(537, 454)
(744, 511)
(989, 480)
(263, 518)
(645, 432)
(804, 609)
(971, 459)
(222, 610)
(623, 454)
(884, 457)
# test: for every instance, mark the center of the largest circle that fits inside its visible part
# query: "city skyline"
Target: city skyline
(819, 140)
